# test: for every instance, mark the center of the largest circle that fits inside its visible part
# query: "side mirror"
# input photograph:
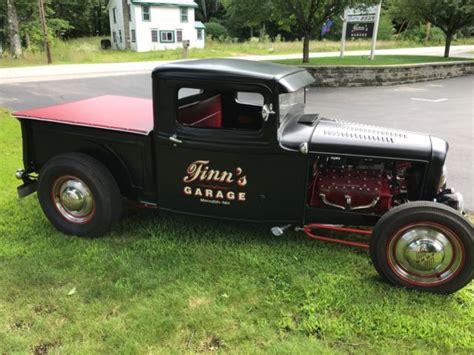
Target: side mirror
(267, 110)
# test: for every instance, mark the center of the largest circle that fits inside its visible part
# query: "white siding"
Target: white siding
(118, 26)
(133, 26)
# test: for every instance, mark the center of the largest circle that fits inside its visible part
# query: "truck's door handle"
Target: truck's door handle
(175, 139)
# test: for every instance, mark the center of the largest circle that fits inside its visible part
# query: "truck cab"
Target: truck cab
(218, 139)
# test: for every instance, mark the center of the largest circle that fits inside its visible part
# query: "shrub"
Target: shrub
(385, 28)
(418, 34)
(216, 31)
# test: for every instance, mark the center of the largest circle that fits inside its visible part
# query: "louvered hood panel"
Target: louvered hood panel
(350, 138)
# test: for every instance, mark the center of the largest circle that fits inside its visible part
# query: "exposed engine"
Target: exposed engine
(356, 184)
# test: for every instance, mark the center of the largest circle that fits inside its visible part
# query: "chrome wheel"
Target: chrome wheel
(73, 199)
(425, 254)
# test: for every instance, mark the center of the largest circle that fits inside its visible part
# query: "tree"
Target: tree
(208, 9)
(251, 13)
(85, 17)
(449, 15)
(13, 29)
(309, 15)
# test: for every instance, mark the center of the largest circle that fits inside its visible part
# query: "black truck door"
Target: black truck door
(219, 158)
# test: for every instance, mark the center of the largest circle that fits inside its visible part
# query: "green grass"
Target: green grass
(378, 60)
(173, 284)
(87, 50)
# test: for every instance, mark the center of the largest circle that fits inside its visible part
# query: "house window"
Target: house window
(129, 14)
(154, 35)
(184, 14)
(167, 36)
(179, 36)
(199, 34)
(146, 13)
(120, 36)
(114, 15)
(134, 36)
(114, 37)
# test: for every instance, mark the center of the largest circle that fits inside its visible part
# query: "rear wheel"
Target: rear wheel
(424, 246)
(79, 195)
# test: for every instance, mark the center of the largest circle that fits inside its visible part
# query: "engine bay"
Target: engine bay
(362, 184)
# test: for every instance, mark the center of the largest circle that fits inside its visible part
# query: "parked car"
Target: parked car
(230, 139)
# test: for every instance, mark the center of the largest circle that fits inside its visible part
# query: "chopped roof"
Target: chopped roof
(290, 78)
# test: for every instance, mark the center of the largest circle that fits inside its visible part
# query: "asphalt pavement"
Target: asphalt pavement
(442, 108)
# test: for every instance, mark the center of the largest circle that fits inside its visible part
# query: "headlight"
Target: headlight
(444, 178)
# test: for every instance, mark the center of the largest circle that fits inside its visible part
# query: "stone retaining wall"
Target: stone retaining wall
(358, 75)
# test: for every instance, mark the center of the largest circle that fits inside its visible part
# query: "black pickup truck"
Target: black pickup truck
(230, 139)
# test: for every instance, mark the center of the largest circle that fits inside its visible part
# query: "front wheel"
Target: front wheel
(79, 195)
(424, 246)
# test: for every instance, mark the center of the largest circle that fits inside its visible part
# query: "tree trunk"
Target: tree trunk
(447, 46)
(204, 10)
(126, 24)
(306, 48)
(27, 40)
(262, 32)
(13, 29)
(428, 33)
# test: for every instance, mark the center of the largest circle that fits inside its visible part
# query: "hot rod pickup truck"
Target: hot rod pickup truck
(230, 139)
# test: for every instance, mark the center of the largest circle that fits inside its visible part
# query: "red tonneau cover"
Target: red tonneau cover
(118, 113)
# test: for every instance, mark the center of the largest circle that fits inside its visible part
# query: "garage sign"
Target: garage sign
(361, 22)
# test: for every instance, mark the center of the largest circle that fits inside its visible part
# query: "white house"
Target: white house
(155, 24)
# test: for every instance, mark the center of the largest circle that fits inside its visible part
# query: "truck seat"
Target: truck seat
(206, 113)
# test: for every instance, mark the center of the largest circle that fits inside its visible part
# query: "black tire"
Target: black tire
(417, 264)
(69, 171)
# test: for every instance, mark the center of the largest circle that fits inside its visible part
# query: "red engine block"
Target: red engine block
(352, 189)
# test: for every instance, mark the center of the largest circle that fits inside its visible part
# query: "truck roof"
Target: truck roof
(290, 78)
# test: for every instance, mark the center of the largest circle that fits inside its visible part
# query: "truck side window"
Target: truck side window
(216, 109)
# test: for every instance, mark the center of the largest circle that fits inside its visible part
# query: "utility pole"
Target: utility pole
(44, 27)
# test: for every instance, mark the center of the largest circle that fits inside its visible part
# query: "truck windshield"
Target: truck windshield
(292, 102)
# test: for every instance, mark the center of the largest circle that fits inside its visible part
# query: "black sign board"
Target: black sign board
(360, 30)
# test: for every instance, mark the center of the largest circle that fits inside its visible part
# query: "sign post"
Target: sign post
(361, 23)
(376, 30)
(344, 29)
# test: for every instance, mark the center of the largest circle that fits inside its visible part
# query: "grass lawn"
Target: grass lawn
(378, 60)
(87, 50)
(173, 284)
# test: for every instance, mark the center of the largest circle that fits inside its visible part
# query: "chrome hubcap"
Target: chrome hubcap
(73, 199)
(425, 254)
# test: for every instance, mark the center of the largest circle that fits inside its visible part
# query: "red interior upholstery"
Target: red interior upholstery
(206, 113)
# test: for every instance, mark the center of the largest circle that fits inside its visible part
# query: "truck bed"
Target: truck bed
(117, 113)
